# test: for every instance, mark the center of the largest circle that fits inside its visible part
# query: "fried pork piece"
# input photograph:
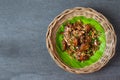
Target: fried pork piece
(75, 41)
(64, 45)
(84, 46)
(67, 34)
(80, 40)
(83, 57)
(88, 39)
(87, 27)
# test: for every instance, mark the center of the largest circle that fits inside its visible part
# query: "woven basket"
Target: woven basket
(89, 13)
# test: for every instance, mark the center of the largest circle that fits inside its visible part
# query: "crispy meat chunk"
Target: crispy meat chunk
(84, 46)
(87, 27)
(64, 45)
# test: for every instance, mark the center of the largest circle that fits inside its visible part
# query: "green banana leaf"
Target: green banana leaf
(67, 59)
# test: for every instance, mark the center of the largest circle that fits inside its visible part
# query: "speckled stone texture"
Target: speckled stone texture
(23, 52)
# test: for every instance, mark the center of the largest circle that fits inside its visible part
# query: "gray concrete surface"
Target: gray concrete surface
(23, 52)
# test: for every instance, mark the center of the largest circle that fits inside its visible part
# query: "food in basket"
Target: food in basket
(83, 49)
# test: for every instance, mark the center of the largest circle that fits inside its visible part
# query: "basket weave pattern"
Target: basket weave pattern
(89, 13)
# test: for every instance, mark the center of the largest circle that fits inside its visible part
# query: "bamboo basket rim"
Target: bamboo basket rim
(111, 38)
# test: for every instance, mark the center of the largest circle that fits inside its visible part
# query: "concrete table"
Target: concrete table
(23, 52)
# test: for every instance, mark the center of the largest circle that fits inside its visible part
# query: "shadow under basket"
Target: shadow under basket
(110, 38)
